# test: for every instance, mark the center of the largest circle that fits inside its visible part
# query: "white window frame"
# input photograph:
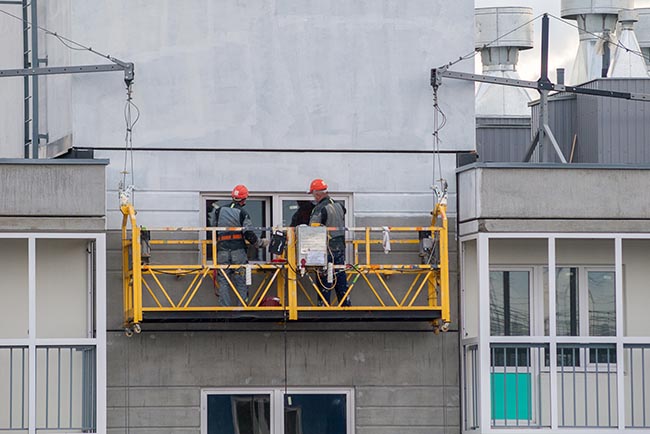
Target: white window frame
(32, 342)
(583, 309)
(277, 397)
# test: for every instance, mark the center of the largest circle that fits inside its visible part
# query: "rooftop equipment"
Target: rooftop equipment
(626, 62)
(596, 20)
(642, 31)
(500, 58)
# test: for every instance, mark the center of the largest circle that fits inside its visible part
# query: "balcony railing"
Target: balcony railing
(586, 375)
(179, 284)
(637, 385)
(65, 388)
(13, 385)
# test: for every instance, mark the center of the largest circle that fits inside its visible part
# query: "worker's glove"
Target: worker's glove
(263, 243)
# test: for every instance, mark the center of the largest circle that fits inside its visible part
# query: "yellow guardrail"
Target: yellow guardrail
(392, 291)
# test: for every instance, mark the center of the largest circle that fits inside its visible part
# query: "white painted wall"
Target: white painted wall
(11, 89)
(13, 289)
(56, 103)
(267, 75)
(61, 288)
(469, 286)
(282, 74)
(636, 270)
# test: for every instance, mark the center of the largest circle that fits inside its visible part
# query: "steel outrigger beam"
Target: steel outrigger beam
(544, 86)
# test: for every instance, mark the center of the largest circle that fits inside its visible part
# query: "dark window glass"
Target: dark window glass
(509, 303)
(567, 357)
(510, 357)
(239, 414)
(602, 303)
(603, 355)
(257, 210)
(315, 414)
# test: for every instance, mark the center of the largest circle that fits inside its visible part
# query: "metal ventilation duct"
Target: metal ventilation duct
(500, 59)
(642, 30)
(626, 62)
(596, 19)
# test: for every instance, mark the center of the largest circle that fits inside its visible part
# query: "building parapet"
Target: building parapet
(496, 197)
(52, 195)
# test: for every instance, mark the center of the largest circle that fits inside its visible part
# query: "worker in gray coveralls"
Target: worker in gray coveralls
(331, 214)
(231, 245)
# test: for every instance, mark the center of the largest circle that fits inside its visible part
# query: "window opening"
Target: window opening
(275, 411)
(509, 303)
(259, 211)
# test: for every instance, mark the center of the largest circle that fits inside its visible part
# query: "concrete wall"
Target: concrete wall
(284, 74)
(403, 382)
(272, 94)
(404, 377)
(553, 198)
(50, 195)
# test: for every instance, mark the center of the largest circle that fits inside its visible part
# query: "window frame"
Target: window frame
(203, 209)
(531, 286)
(277, 399)
(584, 354)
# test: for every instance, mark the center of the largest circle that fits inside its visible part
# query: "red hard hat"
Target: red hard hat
(317, 185)
(240, 192)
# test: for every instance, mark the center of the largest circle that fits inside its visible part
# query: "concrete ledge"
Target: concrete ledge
(52, 224)
(554, 197)
(52, 195)
(58, 188)
(560, 226)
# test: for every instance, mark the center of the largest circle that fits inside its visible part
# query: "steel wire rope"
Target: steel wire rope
(476, 51)
(63, 39)
(438, 111)
(68, 42)
(437, 127)
(617, 44)
(128, 136)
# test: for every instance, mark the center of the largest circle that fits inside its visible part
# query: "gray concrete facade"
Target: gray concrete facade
(534, 198)
(397, 376)
(270, 94)
(52, 195)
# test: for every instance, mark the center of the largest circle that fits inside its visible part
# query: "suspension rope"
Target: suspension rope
(439, 122)
(128, 137)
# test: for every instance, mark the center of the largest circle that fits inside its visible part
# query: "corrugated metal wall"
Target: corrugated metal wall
(562, 119)
(607, 130)
(502, 139)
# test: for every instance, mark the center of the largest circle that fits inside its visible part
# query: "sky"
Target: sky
(563, 38)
